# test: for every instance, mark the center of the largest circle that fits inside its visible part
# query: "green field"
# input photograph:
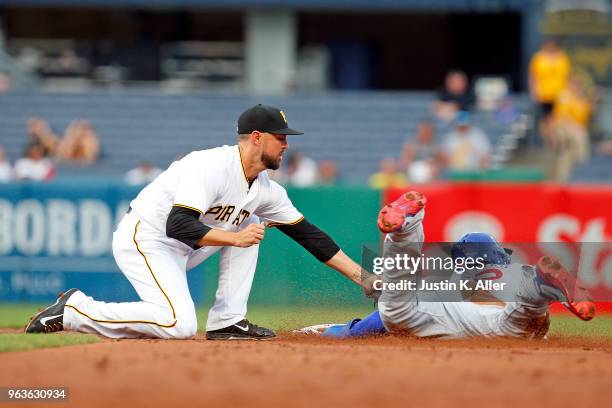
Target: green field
(19, 341)
(15, 316)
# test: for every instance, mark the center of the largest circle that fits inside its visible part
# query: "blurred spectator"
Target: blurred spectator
(80, 143)
(605, 147)
(388, 176)
(421, 157)
(70, 64)
(39, 132)
(466, 147)
(489, 92)
(6, 171)
(328, 173)
(301, 170)
(549, 70)
(507, 112)
(5, 82)
(34, 166)
(454, 97)
(569, 128)
(144, 173)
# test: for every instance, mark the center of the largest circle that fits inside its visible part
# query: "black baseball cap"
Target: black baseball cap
(265, 119)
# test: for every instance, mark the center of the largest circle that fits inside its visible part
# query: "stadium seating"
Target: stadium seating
(355, 129)
(597, 170)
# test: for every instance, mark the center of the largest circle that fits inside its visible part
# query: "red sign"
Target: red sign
(516, 212)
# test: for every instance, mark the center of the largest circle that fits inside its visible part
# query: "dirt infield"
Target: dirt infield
(298, 371)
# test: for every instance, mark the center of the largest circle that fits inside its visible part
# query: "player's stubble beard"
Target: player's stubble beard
(271, 162)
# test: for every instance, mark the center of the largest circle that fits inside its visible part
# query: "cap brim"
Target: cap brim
(287, 131)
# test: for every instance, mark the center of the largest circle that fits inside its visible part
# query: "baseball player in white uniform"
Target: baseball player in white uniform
(522, 312)
(211, 200)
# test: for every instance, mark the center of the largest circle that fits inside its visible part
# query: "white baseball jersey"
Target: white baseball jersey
(213, 183)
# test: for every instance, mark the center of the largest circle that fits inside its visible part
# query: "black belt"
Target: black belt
(129, 210)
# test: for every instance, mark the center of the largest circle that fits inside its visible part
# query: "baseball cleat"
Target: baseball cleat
(243, 330)
(392, 216)
(51, 319)
(575, 298)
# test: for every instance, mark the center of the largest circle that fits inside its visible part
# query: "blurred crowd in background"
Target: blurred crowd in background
(563, 103)
(78, 144)
(229, 50)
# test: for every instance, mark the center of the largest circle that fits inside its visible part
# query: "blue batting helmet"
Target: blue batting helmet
(480, 244)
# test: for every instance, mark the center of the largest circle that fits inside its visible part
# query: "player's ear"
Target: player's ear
(256, 137)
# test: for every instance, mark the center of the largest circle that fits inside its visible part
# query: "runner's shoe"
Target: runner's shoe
(554, 279)
(392, 216)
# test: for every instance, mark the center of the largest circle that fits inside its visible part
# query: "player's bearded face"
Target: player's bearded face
(271, 162)
(273, 150)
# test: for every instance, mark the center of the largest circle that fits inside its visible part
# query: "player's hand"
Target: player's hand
(251, 235)
(368, 285)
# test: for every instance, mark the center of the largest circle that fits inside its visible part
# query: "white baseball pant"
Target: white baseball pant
(156, 266)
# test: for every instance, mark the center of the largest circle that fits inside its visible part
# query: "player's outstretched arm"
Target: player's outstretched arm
(319, 244)
(352, 270)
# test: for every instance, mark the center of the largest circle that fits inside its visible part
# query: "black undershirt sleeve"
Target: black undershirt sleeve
(312, 239)
(183, 224)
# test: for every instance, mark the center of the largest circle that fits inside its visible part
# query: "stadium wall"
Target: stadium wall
(58, 235)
